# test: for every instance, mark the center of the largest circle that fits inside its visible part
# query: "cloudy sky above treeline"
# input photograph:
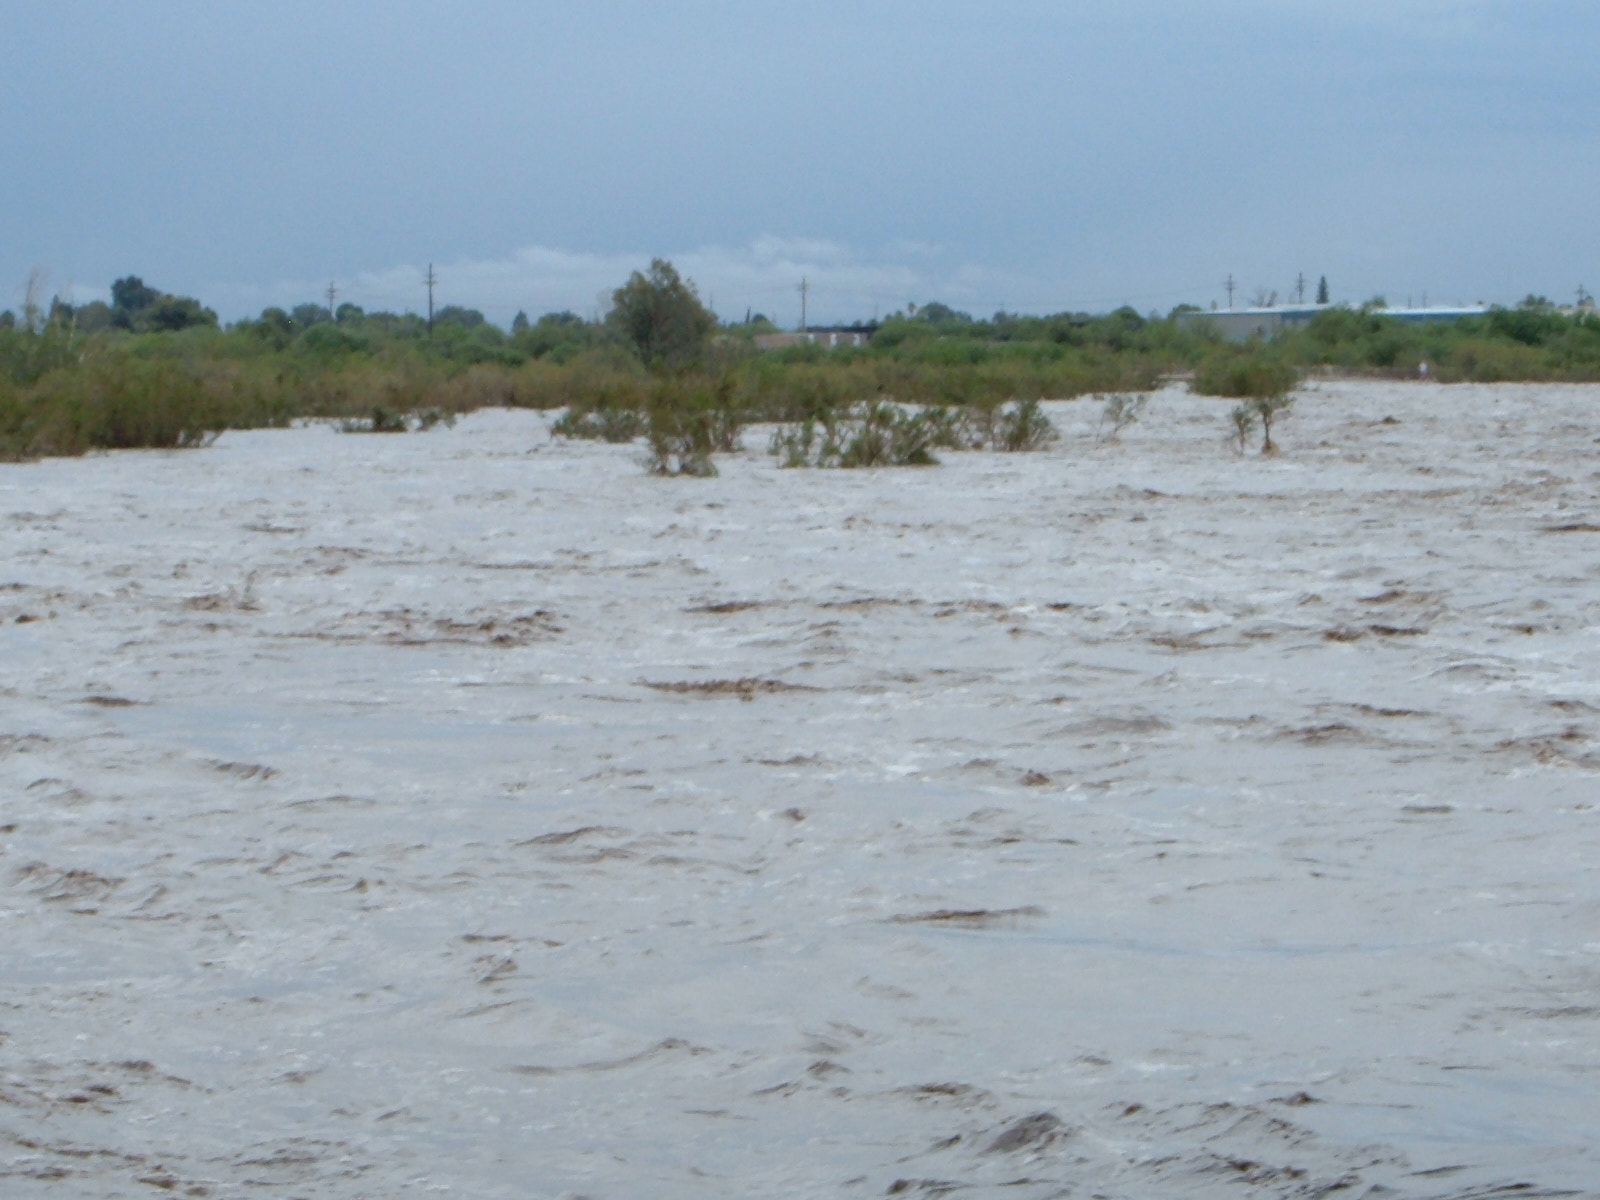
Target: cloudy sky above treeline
(1031, 155)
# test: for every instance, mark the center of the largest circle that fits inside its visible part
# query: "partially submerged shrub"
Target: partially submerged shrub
(1265, 408)
(1022, 426)
(1244, 424)
(608, 424)
(886, 435)
(1244, 374)
(808, 443)
(120, 404)
(988, 424)
(1121, 411)
(882, 434)
(877, 434)
(1261, 382)
(689, 420)
(387, 420)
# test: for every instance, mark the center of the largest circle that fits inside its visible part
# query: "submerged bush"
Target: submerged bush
(1244, 373)
(606, 424)
(386, 420)
(124, 403)
(1120, 412)
(878, 434)
(1261, 382)
(1022, 426)
(882, 434)
(689, 420)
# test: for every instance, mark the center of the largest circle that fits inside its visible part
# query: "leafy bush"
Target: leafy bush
(881, 434)
(877, 434)
(387, 420)
(1121, 411)
(689, 420)
(1260, 380)
(1023, 427)
(605, 424)
(1244, 373)
(116, 404)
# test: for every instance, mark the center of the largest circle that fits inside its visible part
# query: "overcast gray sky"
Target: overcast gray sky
(1019, 153)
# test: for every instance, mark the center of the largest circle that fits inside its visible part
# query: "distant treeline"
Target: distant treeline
(153, 369)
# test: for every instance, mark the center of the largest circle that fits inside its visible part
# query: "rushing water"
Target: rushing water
(470, 813)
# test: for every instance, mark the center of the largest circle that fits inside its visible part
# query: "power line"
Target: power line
(805, 287)
(1230, 286)
(332, 294)
(430, 281)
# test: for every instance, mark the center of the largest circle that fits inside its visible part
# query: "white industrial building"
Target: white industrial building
(1242, 324)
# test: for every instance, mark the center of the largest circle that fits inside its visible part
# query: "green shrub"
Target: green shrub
(1261, 381)
(1023, 427)
(1121, 410)
(605, 424)
(690, 419)
(877, 434)
(1244, 373)
(386, 420)
(117, 404)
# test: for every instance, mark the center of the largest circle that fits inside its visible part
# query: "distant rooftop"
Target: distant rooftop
(1242, 324)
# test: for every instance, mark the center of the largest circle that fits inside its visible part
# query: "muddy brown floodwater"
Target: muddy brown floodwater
(468, 813)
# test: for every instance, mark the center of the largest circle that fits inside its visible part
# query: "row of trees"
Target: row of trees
(135, 308)
(658, 318)
(102, 375)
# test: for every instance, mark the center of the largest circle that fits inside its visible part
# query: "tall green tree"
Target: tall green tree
(1322, 290)
(130, 298)
(660, 316)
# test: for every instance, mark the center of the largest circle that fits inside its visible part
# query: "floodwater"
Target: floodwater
(469, 813)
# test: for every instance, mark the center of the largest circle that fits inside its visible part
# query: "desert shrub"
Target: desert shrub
(1121, 410)
(988, 423)
(1246, 372)
(114, 405)
(886, 435)
(808, 443)
(1243, 423)
(876, 434)
(1265, 408)
(36, 347)
(605, 424)
(1260, 381)
(1022, 426)
(388, 420)
(883, 434)
(688, 420)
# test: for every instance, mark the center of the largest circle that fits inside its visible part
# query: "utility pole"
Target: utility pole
(332, 294)
(1584, 299)
(430, 281)
(805, 287)
(1300, 288)
(1230, 286)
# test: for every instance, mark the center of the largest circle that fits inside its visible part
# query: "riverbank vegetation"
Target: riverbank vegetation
(157, 370)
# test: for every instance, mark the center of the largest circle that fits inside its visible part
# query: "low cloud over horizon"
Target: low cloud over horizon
(1033, 156)
(762, 277)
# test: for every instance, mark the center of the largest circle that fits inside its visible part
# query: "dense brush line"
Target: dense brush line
(64, 390)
